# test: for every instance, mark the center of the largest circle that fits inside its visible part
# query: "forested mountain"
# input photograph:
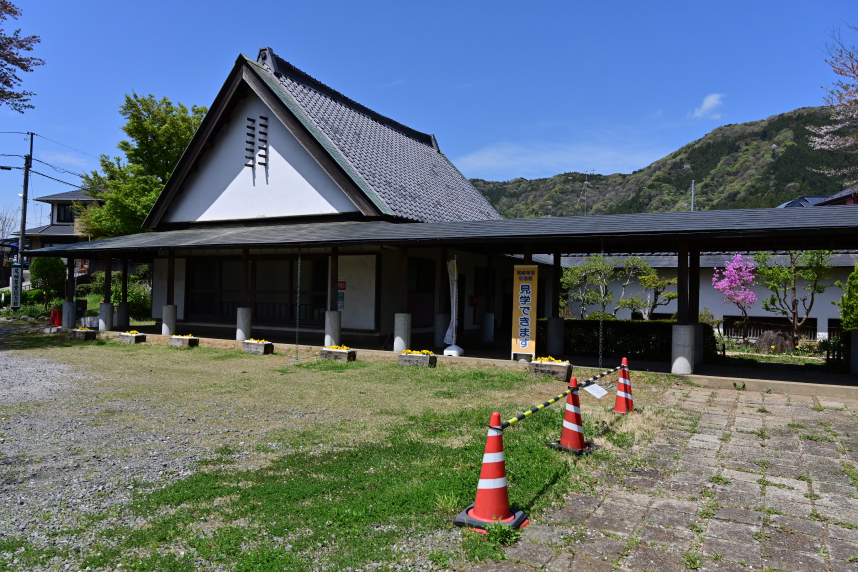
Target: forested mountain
(744, 165)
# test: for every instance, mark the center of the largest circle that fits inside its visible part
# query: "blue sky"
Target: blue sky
(509, 88)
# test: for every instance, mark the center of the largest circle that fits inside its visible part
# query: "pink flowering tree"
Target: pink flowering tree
(735, 282)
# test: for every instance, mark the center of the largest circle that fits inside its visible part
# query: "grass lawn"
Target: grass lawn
(322, 462)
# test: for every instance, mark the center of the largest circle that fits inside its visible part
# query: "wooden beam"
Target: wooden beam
(403, 280)
(528, 253)
(171, 276)
(245, 278)
(682, 285)
(557, 270)
(333, 290)
(70, 293)
(108, 278)
(694, 284)
(125, 280)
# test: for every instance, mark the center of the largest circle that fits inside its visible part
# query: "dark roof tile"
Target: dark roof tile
(400, 166)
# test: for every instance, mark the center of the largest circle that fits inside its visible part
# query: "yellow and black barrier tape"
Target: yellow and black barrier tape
(554, 400)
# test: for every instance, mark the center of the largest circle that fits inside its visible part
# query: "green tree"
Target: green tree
(633, 267)
(656, 296)
(587, 283)
(803, 270)
(49, 275)
(849, 301)
(159, 132)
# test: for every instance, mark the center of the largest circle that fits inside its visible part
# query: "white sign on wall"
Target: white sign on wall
(17, 282)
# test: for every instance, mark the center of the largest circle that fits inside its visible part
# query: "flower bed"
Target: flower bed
(258, 347)
(132, 337)
(339, 353)
(84, 334)
(188, 341)
(424, 358)
(548, 366)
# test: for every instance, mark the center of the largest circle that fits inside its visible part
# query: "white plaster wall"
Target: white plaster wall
(823, 308)
(291, 184)
(359, 274)
(159, 287)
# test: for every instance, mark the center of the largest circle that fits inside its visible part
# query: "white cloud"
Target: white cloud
(710, 102)
(504, 161)
(64, 159)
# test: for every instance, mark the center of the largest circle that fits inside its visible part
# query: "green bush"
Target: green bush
(648, 340)
(28, 297)
(139, 298)
(600, 315)
(48, 274)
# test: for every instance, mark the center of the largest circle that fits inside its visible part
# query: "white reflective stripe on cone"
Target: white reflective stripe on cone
(573, 427)
(573, 408)
(623, 394)
(493, 457)
(624, 382)
(492, 483)
(494, 432)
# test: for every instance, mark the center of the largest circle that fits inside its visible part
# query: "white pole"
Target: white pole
(692, 196)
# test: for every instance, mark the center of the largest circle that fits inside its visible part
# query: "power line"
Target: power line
(57, 180)
(55, 168)
(68, 146)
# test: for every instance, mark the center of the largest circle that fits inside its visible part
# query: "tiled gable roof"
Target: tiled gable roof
(393, 164)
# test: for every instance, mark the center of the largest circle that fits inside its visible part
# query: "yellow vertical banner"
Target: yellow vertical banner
(524, 310)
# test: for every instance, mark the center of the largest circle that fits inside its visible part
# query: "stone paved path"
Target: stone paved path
(741, 481)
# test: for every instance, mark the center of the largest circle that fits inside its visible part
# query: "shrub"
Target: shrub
(849, 302)
(48, 274)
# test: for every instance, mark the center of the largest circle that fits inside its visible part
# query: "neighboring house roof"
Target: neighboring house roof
(50, 230)
(393, 169)
(837, 197)
(801, 202)
(78, 196)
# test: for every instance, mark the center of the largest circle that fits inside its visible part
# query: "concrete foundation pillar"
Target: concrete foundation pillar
(442, 322)
(682, 350)
(554, 338)
(698, 343)
(333, 325)
(488, 327)
(244, 323)
(105, 317)
(123, 316)
(168, 320)
(69, 317)
(853, 365)
(401, 332)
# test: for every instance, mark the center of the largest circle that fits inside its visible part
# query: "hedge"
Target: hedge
(648, 340)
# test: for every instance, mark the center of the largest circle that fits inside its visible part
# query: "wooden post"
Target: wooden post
(557, 271)
(171, 276)
(682, 284)
(70, 293)
(694, 285)
(528, 253)
(403, 279)
(108, 278)
(124, 280)
(444, 300)
(490, 285)
(333, 290)
(245, 278)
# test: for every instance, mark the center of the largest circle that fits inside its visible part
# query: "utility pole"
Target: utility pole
(18, 268)
(692, 195)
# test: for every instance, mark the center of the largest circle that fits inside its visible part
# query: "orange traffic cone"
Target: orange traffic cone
(572, 434)
(53, 319)
(492, 501)
(625, 403)
(59, 319)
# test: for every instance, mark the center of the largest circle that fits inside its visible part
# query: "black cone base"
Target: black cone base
(590, 447)
(463, 520)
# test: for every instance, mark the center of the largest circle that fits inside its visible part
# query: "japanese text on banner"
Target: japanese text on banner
(524, 310)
